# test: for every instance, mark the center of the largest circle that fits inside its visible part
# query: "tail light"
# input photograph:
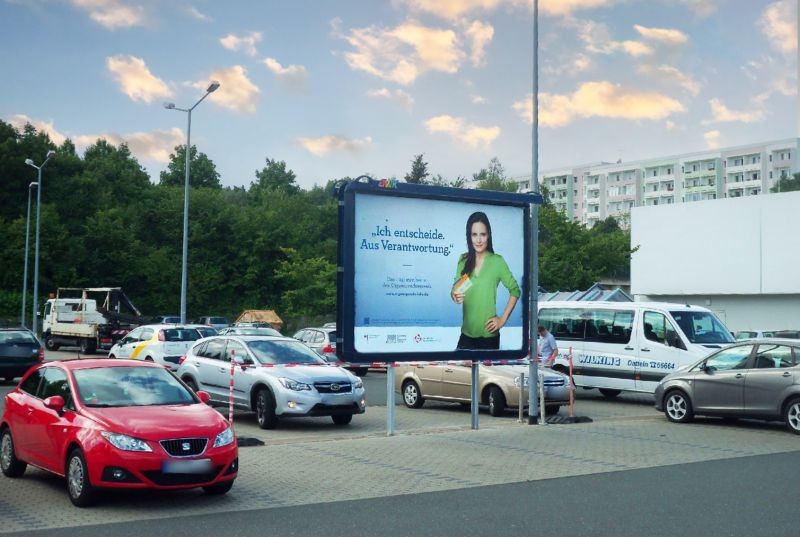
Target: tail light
(182, 359)
(40, 356)
(161, 336)
(329, 349)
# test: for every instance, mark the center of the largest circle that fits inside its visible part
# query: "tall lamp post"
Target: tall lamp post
(25, 274)
(29, 162)
(184, 262)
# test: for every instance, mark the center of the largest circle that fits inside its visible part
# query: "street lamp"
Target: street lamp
(27, 237)
(29, 162)
(184, 263)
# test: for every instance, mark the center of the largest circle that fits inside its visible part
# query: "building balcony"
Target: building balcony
(752, 183)
(592, 186)
(699, 189)
(746, 167)
(658, 178)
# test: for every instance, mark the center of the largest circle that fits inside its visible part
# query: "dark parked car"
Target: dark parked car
(753, 379)
(19, 351)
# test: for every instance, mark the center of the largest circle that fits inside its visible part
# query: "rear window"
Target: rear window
(16, 337)
(218, 320)
(181, 334)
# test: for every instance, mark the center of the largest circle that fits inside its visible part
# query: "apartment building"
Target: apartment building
(592, 192)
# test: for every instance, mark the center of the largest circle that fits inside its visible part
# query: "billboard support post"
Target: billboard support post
(533, 236)
(389, 400)
(476, 373)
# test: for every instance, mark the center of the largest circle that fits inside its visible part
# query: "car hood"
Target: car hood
(516, 370)
(160, 422)
(309, 373)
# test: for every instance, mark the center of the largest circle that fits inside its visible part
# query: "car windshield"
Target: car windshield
(702, 327)
(181, 334)
(256, 332)
(283, 352)
(130, 386)
(16, 337)
(206, 331)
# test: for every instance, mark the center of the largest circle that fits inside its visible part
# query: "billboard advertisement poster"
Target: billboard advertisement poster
(442, 275)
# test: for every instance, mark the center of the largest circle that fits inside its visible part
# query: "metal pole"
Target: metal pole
(389, 399)
(521, 397)
(542, 406)
(34, 322)
(476, 375)
(25, 270)
(533, 311)
(184, 258)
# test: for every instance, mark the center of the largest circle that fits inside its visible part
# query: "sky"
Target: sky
(341, 88)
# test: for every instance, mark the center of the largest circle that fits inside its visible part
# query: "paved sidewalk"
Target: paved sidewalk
(312, 461)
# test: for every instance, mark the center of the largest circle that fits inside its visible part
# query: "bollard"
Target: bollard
(571, 388)
(390, 399)
(230, 394)
(541, 401)
(521, 396)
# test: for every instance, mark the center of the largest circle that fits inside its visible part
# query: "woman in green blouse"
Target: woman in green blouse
(478, 274)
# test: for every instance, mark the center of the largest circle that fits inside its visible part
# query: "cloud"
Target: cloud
(567, 7)
(196, 13)
(292, 75)
(666, 36)
(246, 44)
(334, 143)
(397, 95)
(670, 125)
(572, 66)
(155, 145)
(403, 53)
(598, 99)
(471, 135)
(457, 9)
(779, 24)
(480, 35)
(477, 99)
(18, 121)
(598, 40)
(701, 8)
(236, 91)
(135, 79)
(112, 14)
(712, 139)
(721, 113)
(670, 74)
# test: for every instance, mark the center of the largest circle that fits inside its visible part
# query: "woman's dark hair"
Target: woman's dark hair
(469, 265)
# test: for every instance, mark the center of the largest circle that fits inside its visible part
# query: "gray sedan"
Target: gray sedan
(754, 379)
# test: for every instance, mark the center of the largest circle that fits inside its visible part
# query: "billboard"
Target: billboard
(432, 273)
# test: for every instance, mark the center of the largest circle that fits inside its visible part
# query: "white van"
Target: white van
(630, 345)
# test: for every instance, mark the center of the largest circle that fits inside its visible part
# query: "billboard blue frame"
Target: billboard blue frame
(392, 193)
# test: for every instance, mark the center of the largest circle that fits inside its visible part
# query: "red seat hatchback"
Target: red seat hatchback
(116, 424)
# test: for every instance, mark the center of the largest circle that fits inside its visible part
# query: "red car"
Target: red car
(116, 424)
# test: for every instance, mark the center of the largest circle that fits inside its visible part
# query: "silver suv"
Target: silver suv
(276, 377)
(323, 340)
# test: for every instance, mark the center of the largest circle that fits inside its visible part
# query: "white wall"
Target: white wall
(733, 246)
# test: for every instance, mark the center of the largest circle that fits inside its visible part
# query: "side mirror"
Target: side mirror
(56, 403)
(203, 396)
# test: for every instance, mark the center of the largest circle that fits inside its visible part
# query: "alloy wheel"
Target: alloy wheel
(793, 416)
(676, 406)
(6, 451)
(410, 394)
(75, 476)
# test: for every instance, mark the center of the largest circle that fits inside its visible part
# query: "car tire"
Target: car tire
(8, 379)
(111, 356)
(678, 407)
(9, 463)
(265, 409)
(87, 346)
(50, 343)
(497, 401)
(412, 395)
(342, 419)
(609, 393)
(362, 371)
(791, 415)
(551, 410)
(218, 489)
(80, 490)
(189, 381)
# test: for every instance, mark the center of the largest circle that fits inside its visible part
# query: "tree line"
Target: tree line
(269, 245)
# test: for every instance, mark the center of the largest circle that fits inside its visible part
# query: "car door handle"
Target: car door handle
(787, 374)
(628, 348)
(739, 376)
(645, 350)
(448, 370)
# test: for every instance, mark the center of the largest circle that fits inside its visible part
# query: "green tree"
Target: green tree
(493, 177)
(309, 283)
(419, 171)
(202, 171)
(274, 177)
(787, 184)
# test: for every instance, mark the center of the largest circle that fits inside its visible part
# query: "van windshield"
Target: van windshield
(701, 327)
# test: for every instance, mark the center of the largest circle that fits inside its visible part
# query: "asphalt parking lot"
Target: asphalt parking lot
(309, 461)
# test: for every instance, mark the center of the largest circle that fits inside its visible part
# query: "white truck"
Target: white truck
(90, 318)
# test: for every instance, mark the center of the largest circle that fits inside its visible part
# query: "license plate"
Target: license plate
(194, 466)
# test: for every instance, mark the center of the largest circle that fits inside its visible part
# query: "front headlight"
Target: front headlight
(125, 442)
(294, 385)
(224, 438)
(358, 384)
(516, 381)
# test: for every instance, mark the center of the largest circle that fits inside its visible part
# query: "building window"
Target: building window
(669, 171)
